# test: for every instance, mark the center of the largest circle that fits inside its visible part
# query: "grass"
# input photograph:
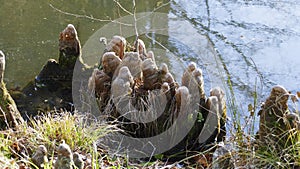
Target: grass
(245, 151)
(18, 145)
(81, 134)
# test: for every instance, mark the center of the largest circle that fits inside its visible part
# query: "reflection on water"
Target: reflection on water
(256, 42)
(29, 30)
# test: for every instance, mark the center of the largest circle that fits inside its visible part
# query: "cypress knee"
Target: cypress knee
(9, 114)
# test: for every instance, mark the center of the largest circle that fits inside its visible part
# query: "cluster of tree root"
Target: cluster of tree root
(146, 100)
(143, 98)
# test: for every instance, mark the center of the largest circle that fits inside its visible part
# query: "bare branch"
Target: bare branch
(161, 45)
(155, 9)
(88, 17)
(125, 10)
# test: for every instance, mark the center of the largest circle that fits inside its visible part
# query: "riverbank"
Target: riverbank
(131, 75)
(19, 144)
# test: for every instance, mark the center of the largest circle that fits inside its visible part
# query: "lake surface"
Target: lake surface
(254, 45)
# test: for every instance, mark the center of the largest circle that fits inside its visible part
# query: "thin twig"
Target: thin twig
(125, 10)
(154, 10)
(135, 26)
(161, 45)
(4, 117)
(88, 17)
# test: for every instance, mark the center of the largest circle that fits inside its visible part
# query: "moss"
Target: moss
(10, 116)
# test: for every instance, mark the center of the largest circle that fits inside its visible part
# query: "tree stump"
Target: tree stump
(9, 114)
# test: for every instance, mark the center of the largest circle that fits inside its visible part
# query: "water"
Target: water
(258, 41)
(254, 43)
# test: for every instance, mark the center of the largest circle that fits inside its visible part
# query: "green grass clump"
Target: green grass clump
(18, 145)
(73, 129)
